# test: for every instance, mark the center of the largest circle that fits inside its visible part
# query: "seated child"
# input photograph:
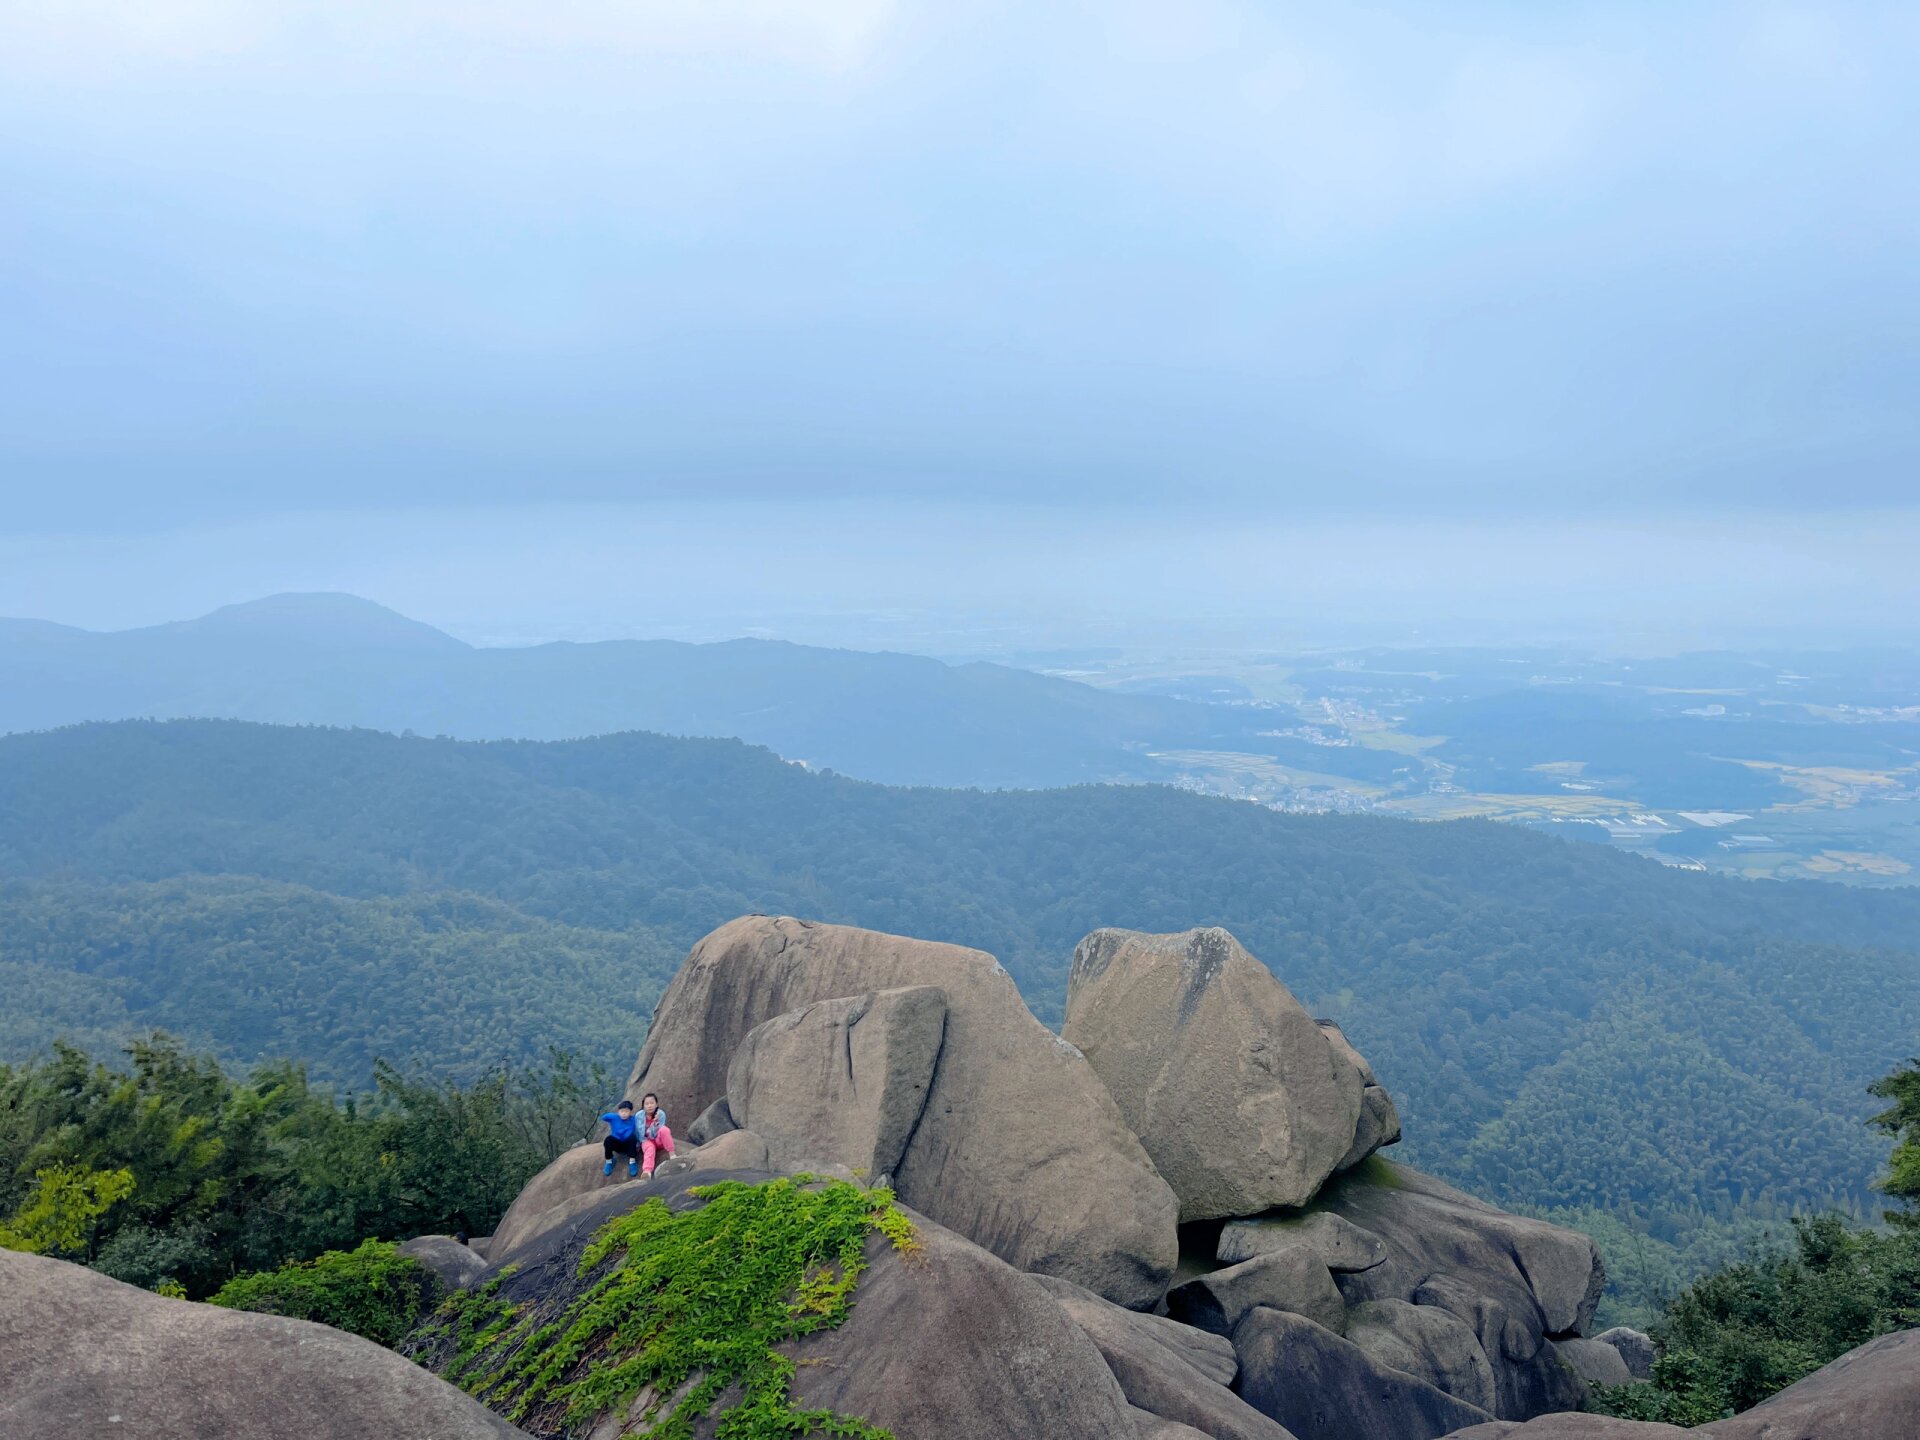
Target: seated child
(655, 1138)
(623, 1138)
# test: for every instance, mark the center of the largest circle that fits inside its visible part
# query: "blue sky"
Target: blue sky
(288, 285)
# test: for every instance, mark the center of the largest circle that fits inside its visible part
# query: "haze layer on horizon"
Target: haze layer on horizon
(623, 316)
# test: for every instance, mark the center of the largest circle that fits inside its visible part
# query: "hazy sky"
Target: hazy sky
(605, 314)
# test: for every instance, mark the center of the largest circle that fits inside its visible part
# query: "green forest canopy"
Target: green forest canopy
(1564, 1027)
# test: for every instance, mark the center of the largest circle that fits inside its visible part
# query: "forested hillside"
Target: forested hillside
(1562, 1026)
(453, 982)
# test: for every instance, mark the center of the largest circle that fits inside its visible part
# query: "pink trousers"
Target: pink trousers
(661, 1144)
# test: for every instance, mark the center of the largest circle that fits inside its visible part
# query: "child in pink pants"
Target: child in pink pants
(655, 1138)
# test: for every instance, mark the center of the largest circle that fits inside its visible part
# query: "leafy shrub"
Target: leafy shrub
(141, 1255)
(1752, 1328)
(373, 1291)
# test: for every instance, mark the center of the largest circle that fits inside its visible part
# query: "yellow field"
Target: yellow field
(1828, 786)
(1864, 862)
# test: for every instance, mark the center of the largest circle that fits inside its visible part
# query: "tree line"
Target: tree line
(163, 1170)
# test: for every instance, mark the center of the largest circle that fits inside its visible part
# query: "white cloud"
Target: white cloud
(105, 39)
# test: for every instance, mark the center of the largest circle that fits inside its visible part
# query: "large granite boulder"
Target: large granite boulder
(1019, 1146)
(946, 1343)
(1635, 1347)
(82, 1355)
(711, 1123)
(1429, 1343)
(1175, 1373)
(1515, 1282)
(572, 1173)
(1294, 1279)
(1323, 1387)
(453, 1265)
(1870, 1393)
(1594, 1362)
(1338, 1243)
(1238, 1096)
(842, 1080)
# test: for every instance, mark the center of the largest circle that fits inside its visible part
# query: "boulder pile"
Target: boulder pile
(1169, 1222)
(1348, 1298)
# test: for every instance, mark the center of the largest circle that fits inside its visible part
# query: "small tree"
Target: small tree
(62, 1211)
(1902, 1121)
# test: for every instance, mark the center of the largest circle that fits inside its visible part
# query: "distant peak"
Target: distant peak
(322, 616)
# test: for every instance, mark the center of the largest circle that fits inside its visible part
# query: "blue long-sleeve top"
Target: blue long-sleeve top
(621, 1127)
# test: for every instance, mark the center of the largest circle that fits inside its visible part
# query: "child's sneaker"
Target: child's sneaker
(633, 1169)
(607, 1169)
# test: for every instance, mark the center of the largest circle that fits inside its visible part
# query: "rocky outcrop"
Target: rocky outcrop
(947, 1343)
(1515, 1282)
(1428, 1343)
(1171, 1371)
(1635, 1347)
(572, 1173)
(1378, 1298)
(1324, 1387)
(841, 1080)
(84, 1355)
(1238, 1096)
(1019, 1146)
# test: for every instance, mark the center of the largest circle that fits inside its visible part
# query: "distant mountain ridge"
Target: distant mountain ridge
(335, 659)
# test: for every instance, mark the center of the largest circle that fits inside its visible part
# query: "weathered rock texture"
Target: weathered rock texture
(573, 1173)
(1338, 1243)
(1515, 1282)
(948, 1343)
(1176, 1373)
(841, 1079)
(1294, 1279)
(1323, 1387)
(82, 1355)
(1379, 1123)
(1593, 1362)
(711, 1123)
(1635, 1347)
(1238, 1096)
(1428, 1343)
(1019, 1146)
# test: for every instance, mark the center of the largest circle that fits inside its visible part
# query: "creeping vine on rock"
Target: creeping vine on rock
(688, 1308)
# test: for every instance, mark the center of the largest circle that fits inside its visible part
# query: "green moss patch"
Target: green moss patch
(686, 1307)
